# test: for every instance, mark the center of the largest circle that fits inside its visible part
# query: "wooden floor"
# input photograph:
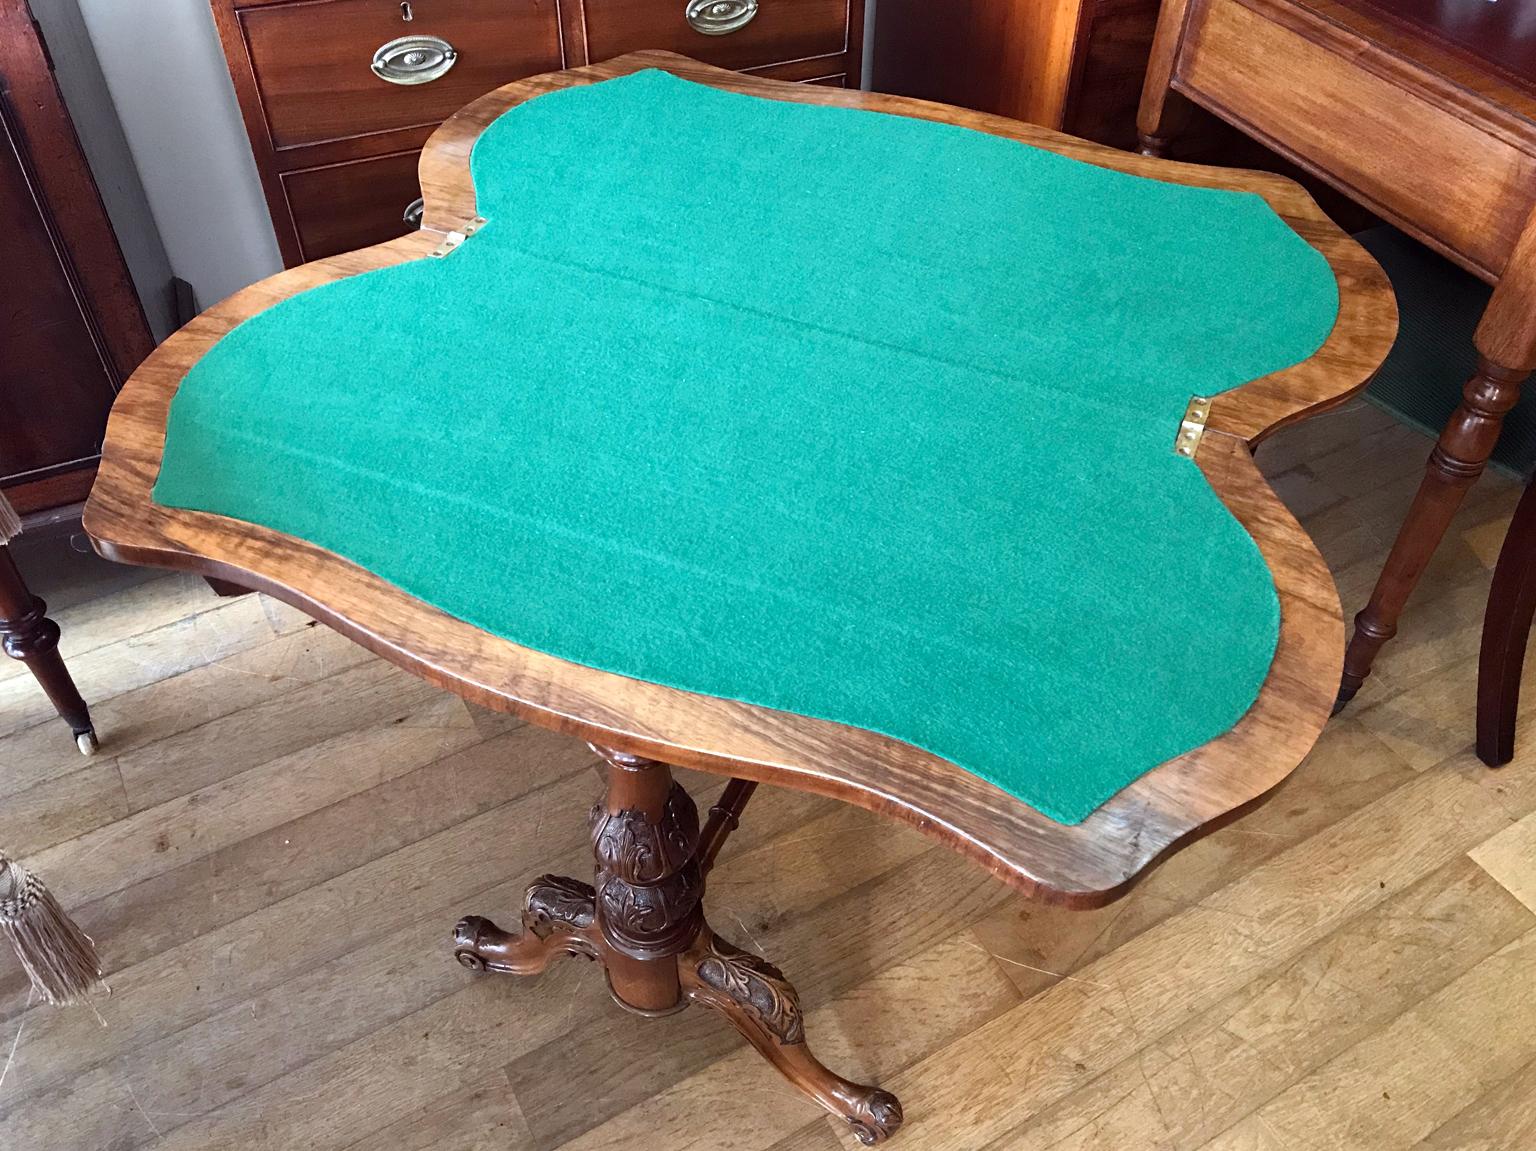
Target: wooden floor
(280, 831)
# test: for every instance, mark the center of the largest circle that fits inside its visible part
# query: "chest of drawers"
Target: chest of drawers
(339, 96)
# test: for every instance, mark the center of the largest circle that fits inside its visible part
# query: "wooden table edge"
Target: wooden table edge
(1087, 864)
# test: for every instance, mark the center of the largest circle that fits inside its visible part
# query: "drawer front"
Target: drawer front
(317, 63)
(341, 207)
(1388, 145)
(817, 70)
(778, 30)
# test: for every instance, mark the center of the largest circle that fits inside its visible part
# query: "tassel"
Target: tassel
(10, 522)
(59, 957)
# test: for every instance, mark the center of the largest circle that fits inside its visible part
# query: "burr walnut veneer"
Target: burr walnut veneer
(643, 919)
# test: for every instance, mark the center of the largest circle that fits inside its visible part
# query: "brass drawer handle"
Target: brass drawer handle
(719, 17)
(413, 211)
(413, 59)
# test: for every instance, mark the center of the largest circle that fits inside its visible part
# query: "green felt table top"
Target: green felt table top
(847, 414)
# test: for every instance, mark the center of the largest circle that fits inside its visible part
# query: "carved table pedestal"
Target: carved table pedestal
(643, 920)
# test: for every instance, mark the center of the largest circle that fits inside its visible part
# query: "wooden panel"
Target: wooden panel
(311, 61)
(815, 69)
(59, 495)
(1469, 78)
(1010, 57)
(1108, 70)
(1502, 37)
(77, 330)
(782, 30)
(341, 207)
(56, 385)
(1468, 193)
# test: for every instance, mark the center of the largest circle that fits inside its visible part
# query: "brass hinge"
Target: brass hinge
(452, 240)
(1192, 427)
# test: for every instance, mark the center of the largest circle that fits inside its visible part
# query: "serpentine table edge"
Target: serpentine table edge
(1085, 865)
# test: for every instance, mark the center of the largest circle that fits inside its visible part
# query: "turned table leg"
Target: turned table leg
(27, 634)
(643, 920)
(1163, 113)
(1506, 632)
(1456, 461)
(1506, 346)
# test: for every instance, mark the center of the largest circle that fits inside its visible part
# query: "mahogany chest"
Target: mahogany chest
(339, 96)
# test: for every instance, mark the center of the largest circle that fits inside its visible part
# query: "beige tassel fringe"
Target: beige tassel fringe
(59, 957)
(10, 522)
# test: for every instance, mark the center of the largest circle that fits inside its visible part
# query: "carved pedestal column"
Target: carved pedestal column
(754, 995)
(645, 834)
(643, 921)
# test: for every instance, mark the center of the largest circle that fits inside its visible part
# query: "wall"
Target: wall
(166, 73)
(868, 54)
(106, 150)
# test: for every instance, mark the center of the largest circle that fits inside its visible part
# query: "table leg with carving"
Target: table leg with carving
(558, 919)
(643, 921)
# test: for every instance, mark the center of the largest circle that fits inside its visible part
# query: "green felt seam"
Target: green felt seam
(851, 415)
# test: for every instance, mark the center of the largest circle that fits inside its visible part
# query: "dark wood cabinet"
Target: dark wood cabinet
(344, 206)
(781, 31)
(71, 329)
(1074, 65)
(312, 62)
(339, 96)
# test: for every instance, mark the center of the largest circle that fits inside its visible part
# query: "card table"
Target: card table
(643, 918)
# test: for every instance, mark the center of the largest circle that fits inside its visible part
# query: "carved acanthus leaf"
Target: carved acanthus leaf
(756, 985)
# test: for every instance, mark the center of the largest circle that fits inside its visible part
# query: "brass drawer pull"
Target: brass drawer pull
(719, 17)
(413, 211)
(414, 59)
